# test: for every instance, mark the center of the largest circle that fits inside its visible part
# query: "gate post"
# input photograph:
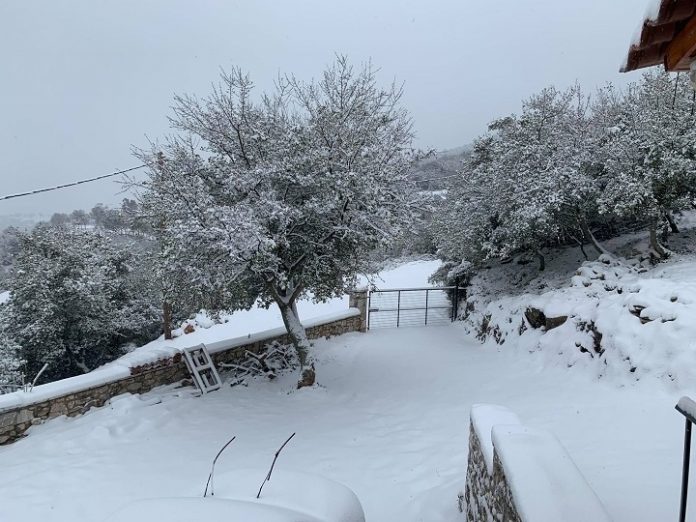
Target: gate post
(358, 299)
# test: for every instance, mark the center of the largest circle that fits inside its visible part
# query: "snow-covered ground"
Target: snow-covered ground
(389, 419)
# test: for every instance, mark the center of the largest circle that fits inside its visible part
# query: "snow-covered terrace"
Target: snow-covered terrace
(389, 420)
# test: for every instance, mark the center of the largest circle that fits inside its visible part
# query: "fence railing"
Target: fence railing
(687, 408)
(399, 307)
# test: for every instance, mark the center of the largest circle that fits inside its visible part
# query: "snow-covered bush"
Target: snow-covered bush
(10, 360)
(74, 301)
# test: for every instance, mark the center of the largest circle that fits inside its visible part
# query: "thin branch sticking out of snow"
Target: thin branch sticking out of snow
(211, 482)
(270, 471)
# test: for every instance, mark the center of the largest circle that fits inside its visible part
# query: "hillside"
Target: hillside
(431, 173)
(620, 315)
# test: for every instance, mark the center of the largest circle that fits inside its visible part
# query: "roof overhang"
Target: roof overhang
(667, 37)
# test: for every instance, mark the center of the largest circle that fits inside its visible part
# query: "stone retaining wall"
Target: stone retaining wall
(14, 422)
(487, 495)
(520, 474)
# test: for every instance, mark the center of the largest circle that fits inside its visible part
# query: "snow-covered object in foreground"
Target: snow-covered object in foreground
(545, 482)
(304, 492)
(483, 418)
(288, 497)
(687, 407)
(194, 509)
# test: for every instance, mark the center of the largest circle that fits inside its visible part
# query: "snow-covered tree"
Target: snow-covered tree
(285, 193)
(566, 168)
(527, 185)
(649, 152)
(74, 304)
(10, 359)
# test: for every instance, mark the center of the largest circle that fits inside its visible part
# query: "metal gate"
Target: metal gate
(394, 308)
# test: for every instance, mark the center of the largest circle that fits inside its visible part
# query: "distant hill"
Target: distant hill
(432, 173)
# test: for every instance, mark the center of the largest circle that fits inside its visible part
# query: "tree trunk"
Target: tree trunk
(298, 337)
(672, 224)
(167, 319)
(585, 228)
(655, 245)
(542, 261)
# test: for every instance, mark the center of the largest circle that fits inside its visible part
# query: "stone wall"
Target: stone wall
(15, 421)
(547, 484)
(488, 496)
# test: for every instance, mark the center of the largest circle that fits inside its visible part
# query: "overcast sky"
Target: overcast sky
(82, 82)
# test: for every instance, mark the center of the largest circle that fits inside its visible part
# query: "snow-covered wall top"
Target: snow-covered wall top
(530, 476)
(545, 482)
(483, 418)
(121, 368)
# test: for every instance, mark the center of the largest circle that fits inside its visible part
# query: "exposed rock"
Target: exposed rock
(535, 317)
(555, 322)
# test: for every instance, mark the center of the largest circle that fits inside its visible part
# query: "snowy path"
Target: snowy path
(391, 422)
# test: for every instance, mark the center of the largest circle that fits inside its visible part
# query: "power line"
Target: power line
(48, 189)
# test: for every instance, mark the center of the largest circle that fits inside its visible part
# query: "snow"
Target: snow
(545, 483)
(483, 418)
(236, 329)
(120, 368)
(644, 315)
(652, 11)
(388, 418)
(303, 492)
(188, 509)
(687, 407)
(288, 497)
(4, 297)
(244, 324)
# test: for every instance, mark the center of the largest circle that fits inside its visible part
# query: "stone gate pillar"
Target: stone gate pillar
(358, 299)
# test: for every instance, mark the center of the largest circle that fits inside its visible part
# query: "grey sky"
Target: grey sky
(84, 81)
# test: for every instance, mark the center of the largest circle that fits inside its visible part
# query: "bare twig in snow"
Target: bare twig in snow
(212, 471)
(268, 477)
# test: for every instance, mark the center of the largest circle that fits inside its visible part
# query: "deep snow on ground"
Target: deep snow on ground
(389, 419)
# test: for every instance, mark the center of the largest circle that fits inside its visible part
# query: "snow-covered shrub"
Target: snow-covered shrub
(10, 360)
(74, 303)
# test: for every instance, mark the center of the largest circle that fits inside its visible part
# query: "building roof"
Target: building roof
(668, 36)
